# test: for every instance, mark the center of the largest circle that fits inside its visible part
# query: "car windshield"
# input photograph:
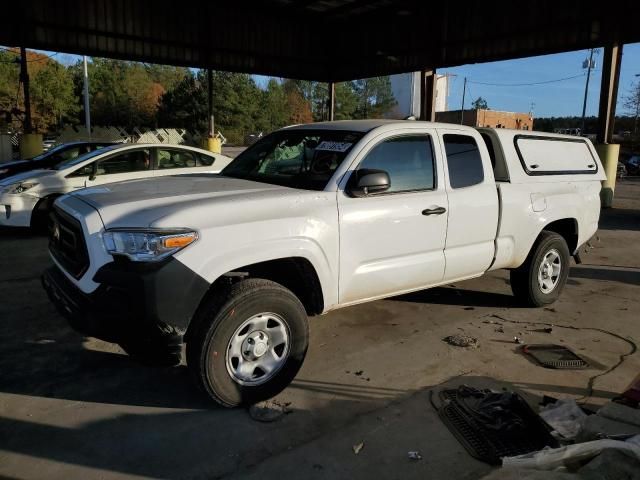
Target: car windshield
(72, 162)
(48, 153)
(303, 159)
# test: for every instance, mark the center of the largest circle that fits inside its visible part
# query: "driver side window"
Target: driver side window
(408, 160)
(126, 162)
(84, 171)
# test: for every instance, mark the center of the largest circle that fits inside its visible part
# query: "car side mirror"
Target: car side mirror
(94, 171)
(367, 181)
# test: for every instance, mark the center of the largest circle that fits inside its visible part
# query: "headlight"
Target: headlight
(21, 187)
(3, 170)
(147, 245)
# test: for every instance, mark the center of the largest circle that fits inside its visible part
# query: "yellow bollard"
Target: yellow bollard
(30, 145)
(608, 154)
(214, 144)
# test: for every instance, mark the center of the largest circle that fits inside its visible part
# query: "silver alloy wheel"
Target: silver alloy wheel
(258, 349)
(549, 271)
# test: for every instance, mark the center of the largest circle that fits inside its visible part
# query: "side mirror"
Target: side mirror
(366, 182)
(94, 171)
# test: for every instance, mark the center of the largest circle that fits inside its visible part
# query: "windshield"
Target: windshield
(72, 162)
(48, 153)
(303, 159)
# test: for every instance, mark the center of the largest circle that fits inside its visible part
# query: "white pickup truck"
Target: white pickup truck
(309, 219)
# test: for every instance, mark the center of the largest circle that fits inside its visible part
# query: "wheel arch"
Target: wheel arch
(567, 228)
(297, 274)
(41, 207)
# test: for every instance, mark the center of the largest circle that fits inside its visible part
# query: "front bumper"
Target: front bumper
(15, 210)
(133, 301)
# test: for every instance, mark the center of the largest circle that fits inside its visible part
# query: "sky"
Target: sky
(563, 98)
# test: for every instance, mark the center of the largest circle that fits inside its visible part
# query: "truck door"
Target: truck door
(393, 241)
(473, 204)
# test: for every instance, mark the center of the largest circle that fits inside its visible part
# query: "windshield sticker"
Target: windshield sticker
(334, 146)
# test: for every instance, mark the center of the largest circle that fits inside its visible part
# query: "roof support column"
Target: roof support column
(332, 100)
(428, 80)
(608, 151)
(213, 143)
(609, 91)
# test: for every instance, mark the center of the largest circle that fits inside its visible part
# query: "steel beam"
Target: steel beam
(428, 79)
(609, 91)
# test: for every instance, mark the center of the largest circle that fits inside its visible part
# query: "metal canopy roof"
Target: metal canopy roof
(316, 39)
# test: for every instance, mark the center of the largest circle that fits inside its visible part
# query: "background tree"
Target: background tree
(375, 97)
(632, 104)
(480, 104)
(53, 98)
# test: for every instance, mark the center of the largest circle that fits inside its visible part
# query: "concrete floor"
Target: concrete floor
(74, 407)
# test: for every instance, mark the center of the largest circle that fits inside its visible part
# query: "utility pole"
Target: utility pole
(332, 100)
(589, 65)
(210, 101)
(24, 78)
(87, 113)
(464, 92)
(637, 101)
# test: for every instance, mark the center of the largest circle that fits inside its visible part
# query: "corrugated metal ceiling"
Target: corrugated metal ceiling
(316, 39)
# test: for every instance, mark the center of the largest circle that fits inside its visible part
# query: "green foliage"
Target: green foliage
(54, 101)
(136, 95)
(375, 97)
(480, 104)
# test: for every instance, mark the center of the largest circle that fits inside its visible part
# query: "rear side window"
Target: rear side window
(554, 155)
(408, 161)
(175, 159)
(463, 160)
(205, 160)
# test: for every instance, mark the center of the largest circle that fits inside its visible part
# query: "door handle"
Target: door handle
(434, 211)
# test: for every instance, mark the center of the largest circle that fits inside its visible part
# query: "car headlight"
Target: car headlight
(21, 187)
(3, 171)
(147, 245)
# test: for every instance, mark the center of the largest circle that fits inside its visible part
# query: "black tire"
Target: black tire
(218, 319)
(524, 279)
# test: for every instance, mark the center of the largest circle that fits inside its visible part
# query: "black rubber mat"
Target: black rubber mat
(555, 356)
(507, 428)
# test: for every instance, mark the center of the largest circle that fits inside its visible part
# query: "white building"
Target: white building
(406, 90)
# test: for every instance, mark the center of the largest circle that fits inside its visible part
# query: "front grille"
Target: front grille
(66, 243)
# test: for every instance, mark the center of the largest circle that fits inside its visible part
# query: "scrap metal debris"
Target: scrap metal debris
(459, 340)
(414, 455)
(358, 447)
(269, 410)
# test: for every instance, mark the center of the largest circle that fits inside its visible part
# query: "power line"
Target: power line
(526, 84)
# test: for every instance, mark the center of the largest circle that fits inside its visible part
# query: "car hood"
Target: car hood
(30, 175)
(181, 200)
(16, 163)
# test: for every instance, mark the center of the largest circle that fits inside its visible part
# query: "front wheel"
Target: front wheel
(248, 343)
(540, 280)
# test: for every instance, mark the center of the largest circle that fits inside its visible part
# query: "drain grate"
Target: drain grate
(486, 437)
(555, 356)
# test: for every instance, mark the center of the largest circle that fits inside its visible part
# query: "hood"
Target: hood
(142, 203)
(16, 164)
(30, 175)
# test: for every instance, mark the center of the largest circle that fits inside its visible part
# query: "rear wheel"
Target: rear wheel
(540, 280)
(248, 343)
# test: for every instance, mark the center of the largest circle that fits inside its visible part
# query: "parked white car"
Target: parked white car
(310, 219)
(26, 198)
